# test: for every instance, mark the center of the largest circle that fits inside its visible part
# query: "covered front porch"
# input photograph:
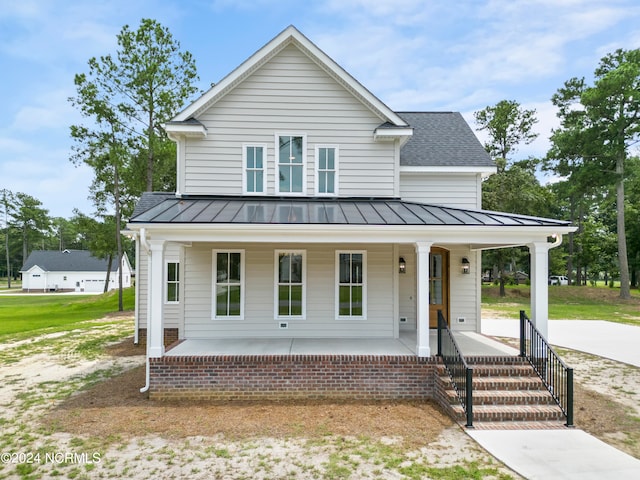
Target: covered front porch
(471, 344)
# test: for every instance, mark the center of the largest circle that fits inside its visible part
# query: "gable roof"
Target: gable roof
(289, 36)
(442, 139)
(67, 261)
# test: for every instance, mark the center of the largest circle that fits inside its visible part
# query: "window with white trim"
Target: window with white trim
(172, 275)
(351, 285)
(290, 280)
(254, 177)
(228, 281)
(291, 161)
(326, 170)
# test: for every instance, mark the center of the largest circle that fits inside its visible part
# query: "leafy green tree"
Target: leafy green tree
(514, 188)
(150, 79)
(598, 125)
(127, 98)
(508, 126)
(8, 202)
(32, 220)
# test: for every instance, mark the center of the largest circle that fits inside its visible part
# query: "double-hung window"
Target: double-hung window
(327, 170)
(290, 280)
(351, 285)
(253, 159)
(172, 290)
(228, 281)
(291, 155)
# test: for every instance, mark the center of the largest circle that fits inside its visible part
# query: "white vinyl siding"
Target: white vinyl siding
(461, 190)
(254, 170)
(289, 94)
(259, 305)
(172, 311)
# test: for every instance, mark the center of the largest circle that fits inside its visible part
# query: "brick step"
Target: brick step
(508, 383)
(511, 413)
(503, 371)
(503, 397)
(501, 383)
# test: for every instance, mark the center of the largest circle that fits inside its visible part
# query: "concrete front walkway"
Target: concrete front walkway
(605, 339)
(570, 453)
(563, 454)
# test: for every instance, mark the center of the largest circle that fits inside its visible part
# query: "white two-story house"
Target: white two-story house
(306, 209)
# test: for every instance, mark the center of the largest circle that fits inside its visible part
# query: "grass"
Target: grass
(568, 302)
(27, 315)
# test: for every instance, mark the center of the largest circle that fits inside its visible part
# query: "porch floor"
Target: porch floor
(470, 343)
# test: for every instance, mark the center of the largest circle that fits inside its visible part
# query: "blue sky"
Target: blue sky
(434, 55)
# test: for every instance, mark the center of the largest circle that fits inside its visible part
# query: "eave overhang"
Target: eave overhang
(189, 128)
(393, 133)
(445, 169)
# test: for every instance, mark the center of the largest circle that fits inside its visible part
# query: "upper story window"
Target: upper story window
(291, 161)
(253, 159)
(326, 170)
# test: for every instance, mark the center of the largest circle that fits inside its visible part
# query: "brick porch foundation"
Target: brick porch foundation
(170, 336)
(286, 377)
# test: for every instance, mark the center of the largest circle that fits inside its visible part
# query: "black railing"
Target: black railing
(555, 374)
(457, 368)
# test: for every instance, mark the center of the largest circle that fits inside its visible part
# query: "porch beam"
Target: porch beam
(539, 287)
(155, 320)
(422, 260)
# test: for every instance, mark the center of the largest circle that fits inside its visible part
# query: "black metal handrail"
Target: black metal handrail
(459, 371)
(555, 374)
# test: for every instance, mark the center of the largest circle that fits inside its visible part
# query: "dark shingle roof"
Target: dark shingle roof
(66, 261)
(442, 139)
(322, 211)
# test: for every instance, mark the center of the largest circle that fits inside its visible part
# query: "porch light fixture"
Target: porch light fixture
(402, 265)
(466, 266)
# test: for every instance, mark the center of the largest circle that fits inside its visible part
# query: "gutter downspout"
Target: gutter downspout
(145, 245)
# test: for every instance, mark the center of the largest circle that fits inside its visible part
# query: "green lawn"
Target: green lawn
(568, 302)
(25, 315)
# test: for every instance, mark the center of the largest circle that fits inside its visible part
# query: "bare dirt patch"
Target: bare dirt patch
(140, 438)
(116, 407)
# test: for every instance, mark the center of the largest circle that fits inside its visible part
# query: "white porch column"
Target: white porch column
(155, 321)
(422, 300)
(539, 287)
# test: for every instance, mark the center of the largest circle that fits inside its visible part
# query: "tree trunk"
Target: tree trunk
(150, 146)
(118, 235)
(106, 281)
(6, 239)
(625, 291)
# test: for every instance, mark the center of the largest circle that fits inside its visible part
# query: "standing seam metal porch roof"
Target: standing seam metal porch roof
(168, 209)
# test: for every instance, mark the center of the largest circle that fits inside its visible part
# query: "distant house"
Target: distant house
(71, 271)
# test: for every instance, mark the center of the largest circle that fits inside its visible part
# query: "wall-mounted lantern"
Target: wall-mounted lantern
(402, 265)
(466, 266)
